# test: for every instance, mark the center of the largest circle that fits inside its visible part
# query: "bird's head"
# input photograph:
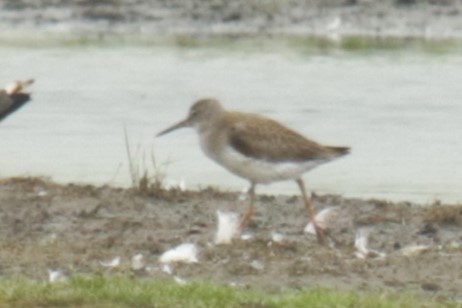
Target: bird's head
(200, 114)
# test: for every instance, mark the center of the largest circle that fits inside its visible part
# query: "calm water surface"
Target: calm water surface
(401, 114)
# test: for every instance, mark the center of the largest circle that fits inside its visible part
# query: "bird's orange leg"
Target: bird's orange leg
(248, 214)
(309, 209)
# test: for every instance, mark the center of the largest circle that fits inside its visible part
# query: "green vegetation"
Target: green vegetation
(146, 174)
(353, 44)
(356, 44)
(122, 291)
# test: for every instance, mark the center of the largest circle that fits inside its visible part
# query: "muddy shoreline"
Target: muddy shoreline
(197, 18)
(72, 227)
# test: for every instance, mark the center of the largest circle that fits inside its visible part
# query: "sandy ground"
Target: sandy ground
(74, 227)
(416, 18)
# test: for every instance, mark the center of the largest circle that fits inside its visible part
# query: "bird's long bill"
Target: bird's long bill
(184, 123)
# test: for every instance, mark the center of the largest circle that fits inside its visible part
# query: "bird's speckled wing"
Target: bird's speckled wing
(266, 139)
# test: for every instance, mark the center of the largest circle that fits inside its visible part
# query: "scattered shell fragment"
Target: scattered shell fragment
(277, 237)
(42, 193)
(151, 269)
(361, 244)
(185, 253)
(228, 226)
(414, 250)
(362, 251)
(258, 265)
(179, 280)
(114, 262)
(56, 276)
(138, 262)
(167, 269)
(247, 236)
(174, 184)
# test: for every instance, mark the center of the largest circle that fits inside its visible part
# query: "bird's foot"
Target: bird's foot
(320, 233)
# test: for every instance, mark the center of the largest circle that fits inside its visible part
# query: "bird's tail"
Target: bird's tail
(339, 151)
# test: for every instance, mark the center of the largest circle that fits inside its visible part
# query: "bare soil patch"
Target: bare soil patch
(45, 225)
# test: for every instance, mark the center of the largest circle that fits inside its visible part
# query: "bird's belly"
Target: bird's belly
(261, 171)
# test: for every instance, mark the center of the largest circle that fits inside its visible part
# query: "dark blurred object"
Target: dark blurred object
(12, 97)
(405, 2)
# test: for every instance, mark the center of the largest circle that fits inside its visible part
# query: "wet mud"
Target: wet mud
(44, 225)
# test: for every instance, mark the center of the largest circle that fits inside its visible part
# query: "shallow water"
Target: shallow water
(399, 113)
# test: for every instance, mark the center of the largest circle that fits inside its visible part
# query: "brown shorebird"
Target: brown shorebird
(12, 97)
(257, 148)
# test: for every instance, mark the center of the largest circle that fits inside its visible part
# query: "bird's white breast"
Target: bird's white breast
(255, 170)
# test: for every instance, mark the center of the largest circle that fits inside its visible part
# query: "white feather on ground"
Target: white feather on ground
(56, 276)
(361, 243)
(247, 236)
(184, 253)
(112, 263)
(138, 262)
(277, 237)
(227, 228)
(179, 280)
(414, 250)
(174, 184)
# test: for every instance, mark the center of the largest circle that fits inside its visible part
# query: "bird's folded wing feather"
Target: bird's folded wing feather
(265, 139)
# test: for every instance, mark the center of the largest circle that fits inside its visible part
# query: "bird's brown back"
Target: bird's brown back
(263, 138)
